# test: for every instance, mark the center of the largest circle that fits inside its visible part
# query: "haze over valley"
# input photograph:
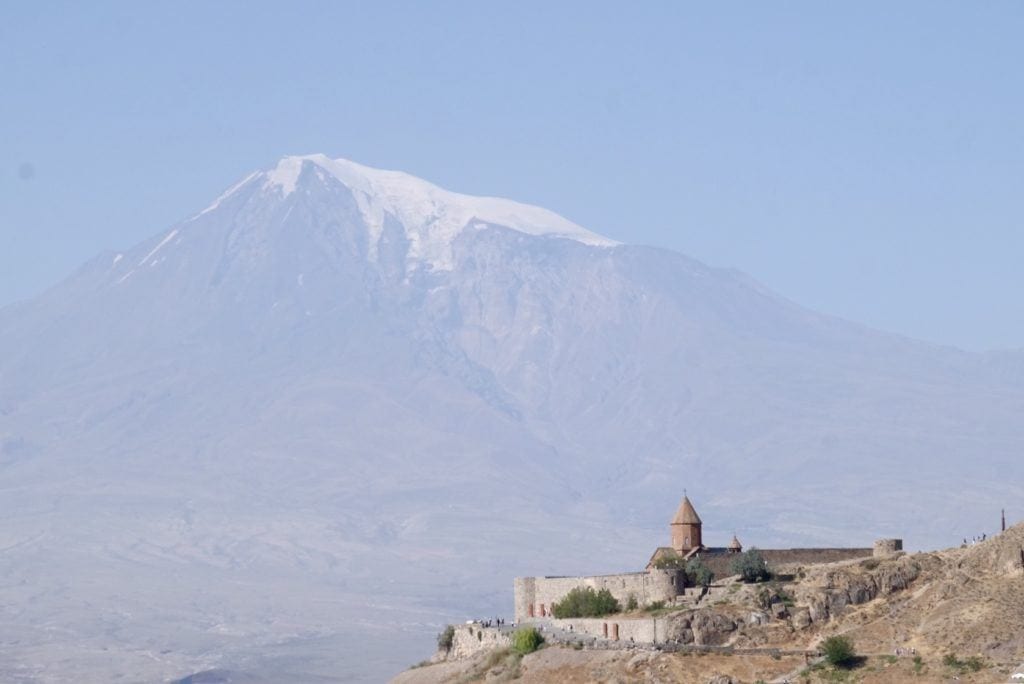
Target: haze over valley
(339, 406)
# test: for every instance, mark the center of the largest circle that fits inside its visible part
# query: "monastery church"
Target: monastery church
(534, 596)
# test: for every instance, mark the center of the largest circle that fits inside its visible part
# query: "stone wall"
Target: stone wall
(887, 547)
(698, 628)
(776, 557)
(639, 630)
(720, 563)
(469, 640)
(535, 595)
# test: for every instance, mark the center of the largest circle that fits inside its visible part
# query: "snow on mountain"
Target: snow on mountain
(342, 404)
(432, 217)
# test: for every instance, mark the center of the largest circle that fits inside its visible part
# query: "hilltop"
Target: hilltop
(952, 613)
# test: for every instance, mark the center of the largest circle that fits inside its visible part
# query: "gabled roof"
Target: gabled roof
(686, 515)
(659, 553)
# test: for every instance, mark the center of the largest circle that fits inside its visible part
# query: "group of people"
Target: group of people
(975, 540)
(496, 622)
(905, 651)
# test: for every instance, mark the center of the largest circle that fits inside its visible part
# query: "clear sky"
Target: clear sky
(864, 160)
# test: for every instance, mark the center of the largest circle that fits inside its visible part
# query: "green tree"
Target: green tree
(585, 602)
(526, 640)
(698, 574)
(445, 638)
(751, 566)
(839, 651)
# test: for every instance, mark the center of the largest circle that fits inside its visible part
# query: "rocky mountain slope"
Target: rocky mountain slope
(340, 401)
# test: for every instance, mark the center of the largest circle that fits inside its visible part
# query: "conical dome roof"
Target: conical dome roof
(735, 543)
(686, 515)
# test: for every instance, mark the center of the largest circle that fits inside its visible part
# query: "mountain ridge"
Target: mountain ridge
(271, 390)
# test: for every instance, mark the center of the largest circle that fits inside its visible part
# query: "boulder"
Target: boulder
(711, 629)
(801, 618)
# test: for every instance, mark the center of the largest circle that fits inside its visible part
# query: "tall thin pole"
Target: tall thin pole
(1004, 519)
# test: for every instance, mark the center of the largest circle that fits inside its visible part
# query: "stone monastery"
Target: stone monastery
(534, 596)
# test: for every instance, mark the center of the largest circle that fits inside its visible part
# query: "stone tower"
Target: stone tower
(685, 528)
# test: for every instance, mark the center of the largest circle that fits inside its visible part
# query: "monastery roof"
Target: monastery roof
(686, 515)
(659, 553)
(735, 543)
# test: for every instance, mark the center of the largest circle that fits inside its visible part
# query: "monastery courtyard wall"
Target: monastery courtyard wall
(535, 595)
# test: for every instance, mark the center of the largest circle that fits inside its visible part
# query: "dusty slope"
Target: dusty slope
(568, 666)
(968, 601)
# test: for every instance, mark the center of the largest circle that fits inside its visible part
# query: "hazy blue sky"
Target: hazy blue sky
(867, 161)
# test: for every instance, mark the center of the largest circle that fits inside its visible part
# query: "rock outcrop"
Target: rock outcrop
(853, 585)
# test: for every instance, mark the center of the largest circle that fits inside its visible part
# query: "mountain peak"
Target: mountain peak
(432, 216)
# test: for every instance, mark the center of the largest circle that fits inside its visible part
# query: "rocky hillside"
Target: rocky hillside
(926, 617)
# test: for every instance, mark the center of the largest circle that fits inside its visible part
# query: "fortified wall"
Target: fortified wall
(534, 596)
(720, 563)
(469, 640)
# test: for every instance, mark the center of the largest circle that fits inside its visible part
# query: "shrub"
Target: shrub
(585, 602)
(631, 604)
(751, 566)
(656, 605)
(973, 664)
(918, 664)
(445, 638)
(698, 574)
(526, 640)
(839, 651)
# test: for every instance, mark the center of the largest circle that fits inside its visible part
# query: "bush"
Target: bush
(972, 664)
(698, 574)
(526, 640)
(631, 604)
(445, 638)
(585, 602)
(750, 566)
(656, 605)
(839, 651)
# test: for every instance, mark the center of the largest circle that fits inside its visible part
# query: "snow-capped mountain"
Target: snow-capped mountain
(339, 400)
